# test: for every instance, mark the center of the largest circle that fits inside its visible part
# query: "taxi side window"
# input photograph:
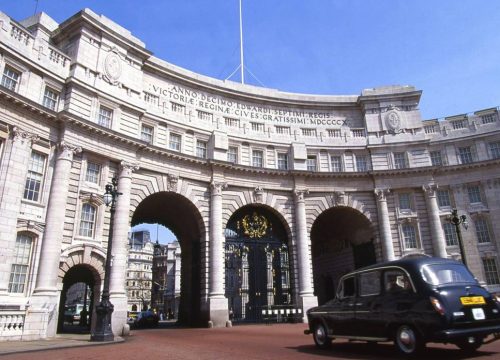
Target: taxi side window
(369, 283)
(396, 280)
(347, 288)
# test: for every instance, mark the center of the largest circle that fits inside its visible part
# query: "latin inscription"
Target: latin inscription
(230, 108)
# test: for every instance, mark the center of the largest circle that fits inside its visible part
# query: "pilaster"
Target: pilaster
(438, 239)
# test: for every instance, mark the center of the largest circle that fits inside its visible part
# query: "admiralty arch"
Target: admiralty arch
(271, 195)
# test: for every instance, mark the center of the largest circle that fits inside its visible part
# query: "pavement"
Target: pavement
(61, 341)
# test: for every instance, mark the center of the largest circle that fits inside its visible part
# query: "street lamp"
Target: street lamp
(457, 220)
(103, 330)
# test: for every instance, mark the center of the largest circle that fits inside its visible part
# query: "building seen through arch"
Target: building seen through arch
(272, 196)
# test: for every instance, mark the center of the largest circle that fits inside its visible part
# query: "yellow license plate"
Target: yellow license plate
(472, 300)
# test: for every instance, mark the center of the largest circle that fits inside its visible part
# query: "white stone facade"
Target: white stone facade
(84, 101)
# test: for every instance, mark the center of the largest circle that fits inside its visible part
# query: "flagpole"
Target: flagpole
(241, 49)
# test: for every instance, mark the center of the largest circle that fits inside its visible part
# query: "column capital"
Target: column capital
(127, 168)
(300, 193)
(382, 193)
(217, 187)
(430, 189)
(24, 137)
(66, 151)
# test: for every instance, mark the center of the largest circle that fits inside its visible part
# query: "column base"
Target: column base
(44, 306)
(308, 302)
(218, 312)
(119, 317)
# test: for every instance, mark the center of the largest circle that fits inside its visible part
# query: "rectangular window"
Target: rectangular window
(336, 163)
(495, 150)
(50, 98)
(361, 163)
(231, 122)
(282, 130)
(34, 178)
(490, 271)
(87, 220)
(450, 234)
(465, 155)
(400, 161)
(482, 230)
(257, 158)
(404, 202)
(178, 108)
(201, 149)
(459, 124)
(174, 142)
(147, 133)
(232, 154)
(105, 116)
(474, 193)
(489, 118)
(409, 236)
(430, 129)
(257, 127)
(203, 115)
(334, 133)
(10, 78)
(443, 198)
(20, 264)
(308, 132)
(436, 158)
(311, 163)
(283, 161)
(93, 172)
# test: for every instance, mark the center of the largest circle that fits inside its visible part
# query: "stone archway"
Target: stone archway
(258, 263)
(342, 239)
(182, 217)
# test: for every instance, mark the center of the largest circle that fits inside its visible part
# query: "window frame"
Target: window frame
(282, 160)
(7, 80)
(102, 116)
(33, 176)
(175, 145)
(84, 232)
(312, 163)
(258, 156)
(230, 153)
(26, 266)
(145, 136)
(48, 101)
(201, 149)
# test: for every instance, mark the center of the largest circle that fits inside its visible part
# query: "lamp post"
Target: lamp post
(103, 330)
(457, 220)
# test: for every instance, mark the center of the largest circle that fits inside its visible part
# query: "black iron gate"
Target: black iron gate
(257, 267)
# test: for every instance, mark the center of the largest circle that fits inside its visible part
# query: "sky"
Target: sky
(449, 49)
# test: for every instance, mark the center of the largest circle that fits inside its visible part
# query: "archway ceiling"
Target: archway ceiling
(172, 211)
(79, 273)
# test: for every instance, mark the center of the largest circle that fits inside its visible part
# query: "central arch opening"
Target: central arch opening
(341, 240)
(257, 267)
(178, 214)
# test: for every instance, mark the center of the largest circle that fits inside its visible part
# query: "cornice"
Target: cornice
(27, 104)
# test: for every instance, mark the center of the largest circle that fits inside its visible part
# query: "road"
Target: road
(277, 342)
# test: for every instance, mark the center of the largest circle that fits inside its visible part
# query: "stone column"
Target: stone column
(121, 225)
(50, 255)
(384, 224)
(13, 172)
(438, 239)
(304, 264)
(218, 305)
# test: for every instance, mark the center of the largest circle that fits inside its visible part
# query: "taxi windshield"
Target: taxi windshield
(441, 274)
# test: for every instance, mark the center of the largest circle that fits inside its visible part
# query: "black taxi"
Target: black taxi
(410, 301)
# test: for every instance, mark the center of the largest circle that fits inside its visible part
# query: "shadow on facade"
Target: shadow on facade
(184, 220)
(341, 241)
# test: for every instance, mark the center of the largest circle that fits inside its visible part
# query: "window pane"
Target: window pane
(34, 177)
(482, 230)
(257, 158)
(147, 133)
(495, 150)
(465, 155)
(436, 159)
(443, 197)
(87, 220)
(50, 98)
(399, 160)
(282, 161)
(490, 271)
(105, 116)
(311, 163)
(404, 201)
(336, 163)
(93, 171)
(450, 234)
(201, 149)
(474, 194)
(20, 264)
(232, 154)
(410, 236)
(10, 78)
(175, 142)
(361, 163)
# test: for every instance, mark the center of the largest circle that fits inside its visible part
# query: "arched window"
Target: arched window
(87, 220)
(21, 263)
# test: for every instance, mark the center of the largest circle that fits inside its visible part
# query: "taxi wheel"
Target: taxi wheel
(320, 336)
(407, 341)
(470, 346)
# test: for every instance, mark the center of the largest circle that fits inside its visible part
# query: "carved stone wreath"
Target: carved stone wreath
(112, 67)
